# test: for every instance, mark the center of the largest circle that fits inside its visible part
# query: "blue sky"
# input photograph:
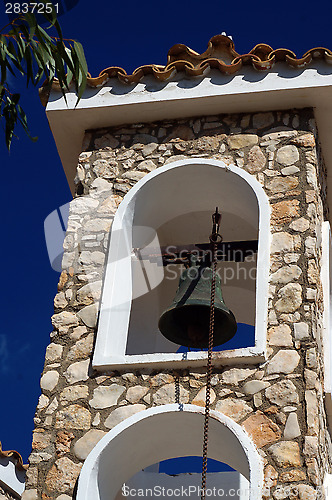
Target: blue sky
(126, 34)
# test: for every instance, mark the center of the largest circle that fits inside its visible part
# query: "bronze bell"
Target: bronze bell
(186, 321)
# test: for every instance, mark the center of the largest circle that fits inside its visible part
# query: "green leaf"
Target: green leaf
(81, 56)
(32, 22)
(29, 66)
(81, 69)
(28, 49)
(23, 117)
(24, 122)
(20, 45)
(58, 29)
(23, 30)
(44, 34)
(66, 55)
(14, 56)
(69, 77)
(50, 16)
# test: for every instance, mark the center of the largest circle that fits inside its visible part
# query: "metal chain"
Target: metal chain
(209, 373)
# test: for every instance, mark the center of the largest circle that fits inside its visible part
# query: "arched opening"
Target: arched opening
(172, 206)
(159, 434)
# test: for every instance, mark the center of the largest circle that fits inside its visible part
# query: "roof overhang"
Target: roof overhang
(12, 478)
(116, 103)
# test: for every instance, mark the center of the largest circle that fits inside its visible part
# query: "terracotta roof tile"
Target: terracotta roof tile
(220, 55)
(15, 457)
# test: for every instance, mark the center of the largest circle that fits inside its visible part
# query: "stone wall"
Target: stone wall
(280, 402)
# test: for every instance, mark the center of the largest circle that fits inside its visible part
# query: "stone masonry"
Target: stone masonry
(279, 402)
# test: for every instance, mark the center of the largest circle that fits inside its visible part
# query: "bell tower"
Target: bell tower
(125, 379)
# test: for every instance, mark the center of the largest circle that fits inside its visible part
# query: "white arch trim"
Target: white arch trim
(110, 348)
(165, 432)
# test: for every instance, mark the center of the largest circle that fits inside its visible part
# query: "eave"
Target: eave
(116, 103)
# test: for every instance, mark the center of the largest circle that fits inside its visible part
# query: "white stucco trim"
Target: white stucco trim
(117, 292)
(173, 430)
(326, 276)
(10, 477)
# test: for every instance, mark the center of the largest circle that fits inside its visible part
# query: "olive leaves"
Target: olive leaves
(29, 51)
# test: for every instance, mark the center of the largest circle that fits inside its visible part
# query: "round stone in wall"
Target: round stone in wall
(62, 476)
(82, 348)
(262, 430)
(290, 298)
(120, 414)
(233, 408)
(77, 372)
(200, 398)
(84, 445)
(254, 386)
(300, 225)
(236, 375)
(27, 495)
(287, 155)
(73, 393)
(49, 380)
(106, 396)
(284, 242)
(134, 394)
(64, 319)
(286, 274)
(256, 160)
(280, 336)
(89, 293)
(292, 428)
(242, 141)
(167, 394)
(53, 352)
(146, 166)
(286, 454)
(282, 393)
(89, 315)
(73, 417)
(285, 361)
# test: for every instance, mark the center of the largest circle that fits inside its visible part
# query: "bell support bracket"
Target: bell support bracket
(236, 251)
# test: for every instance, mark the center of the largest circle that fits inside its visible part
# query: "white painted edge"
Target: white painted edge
(89, 472)
(326, 279)
(10, 477)
(116, 319)
(327, 345)
(213, 84)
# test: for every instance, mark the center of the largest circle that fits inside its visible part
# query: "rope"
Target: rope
(209, 371)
